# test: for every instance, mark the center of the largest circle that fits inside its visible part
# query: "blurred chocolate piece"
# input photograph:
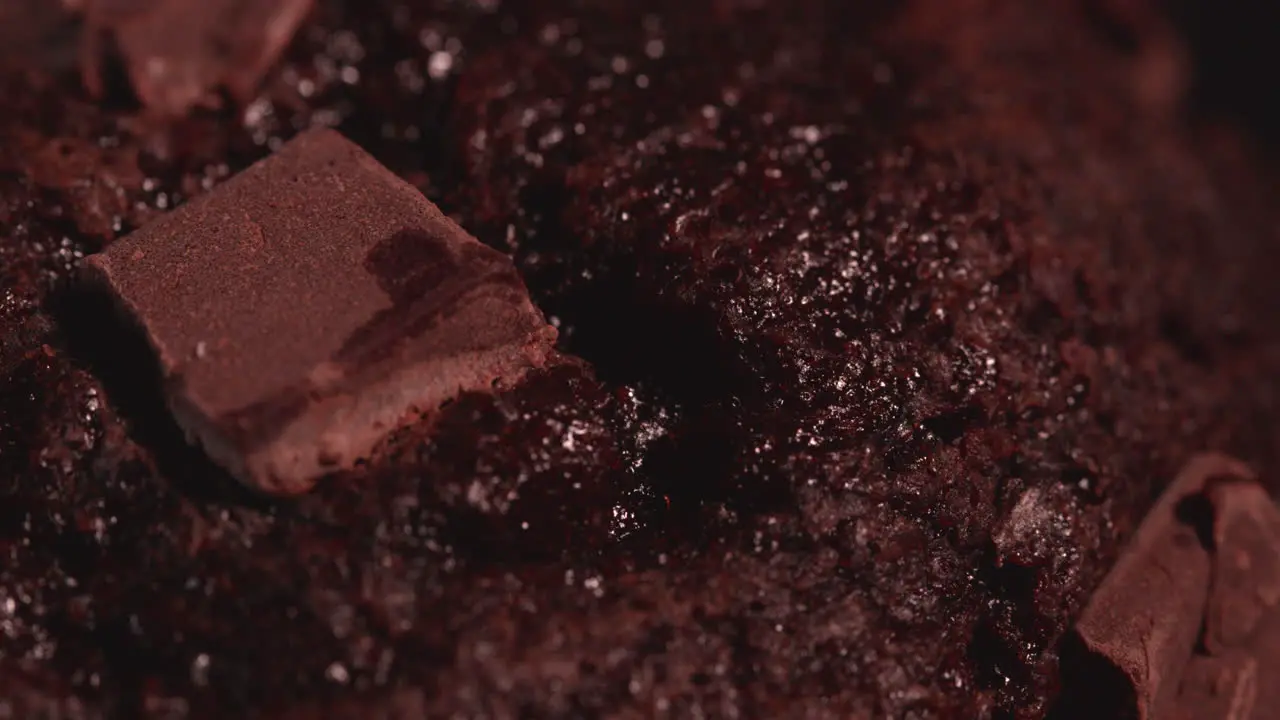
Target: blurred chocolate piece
(308, 305)
(1246, 571)
(1188, 615)
(177, 53)
(1145, 617)
(1219, 688)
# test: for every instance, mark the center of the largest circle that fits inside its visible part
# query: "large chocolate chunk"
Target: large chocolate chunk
(310, 303)
(177, 52)
(1145, 617)
(1186, 623)
(1219, 688)
(1246, 571)
(1233, 678)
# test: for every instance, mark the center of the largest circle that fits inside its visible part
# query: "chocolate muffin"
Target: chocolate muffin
(880, 327)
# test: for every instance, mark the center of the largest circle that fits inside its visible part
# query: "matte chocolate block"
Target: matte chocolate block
(311, 303)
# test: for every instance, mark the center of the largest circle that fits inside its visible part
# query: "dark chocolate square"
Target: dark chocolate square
(310, 304)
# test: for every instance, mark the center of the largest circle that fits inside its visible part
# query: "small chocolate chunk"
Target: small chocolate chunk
(307, 305)
(1146, 616)
(178, 52)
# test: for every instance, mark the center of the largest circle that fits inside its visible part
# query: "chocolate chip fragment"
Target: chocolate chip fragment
(177, 52)
(306, 306)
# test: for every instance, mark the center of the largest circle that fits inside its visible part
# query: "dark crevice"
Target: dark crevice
(952, 425)
(117, 89)
(1092, 688)
(996, 664)
(613, 319)
(1230, 44)
(633, 337)
(998, 649)
(1177, 332)
(1115, 29)
(633, 340)
(1083, 483)
(1196, 511)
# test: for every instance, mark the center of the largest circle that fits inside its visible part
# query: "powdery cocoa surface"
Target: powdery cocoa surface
(891, 323)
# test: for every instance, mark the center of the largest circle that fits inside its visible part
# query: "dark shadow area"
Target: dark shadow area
(1234, 54)
(615, 318)
(993, 649)
(633, 340)
(1092, 688)
(118, 354)
(1197, 511)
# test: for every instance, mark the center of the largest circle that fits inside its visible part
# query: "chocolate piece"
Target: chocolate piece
(304, 307)
(1218, 688)
(1145, 617)
(1233, 679)
(1190, 622)
(176, 52)
(1246, 570)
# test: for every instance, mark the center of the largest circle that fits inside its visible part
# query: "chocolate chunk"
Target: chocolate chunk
(1189, 621)
(177, 52)
(1246, 570)
(1146, 616)
(1219, 688)
(1233, 678)
(310, 303)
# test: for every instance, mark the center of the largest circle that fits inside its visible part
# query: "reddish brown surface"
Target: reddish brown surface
(900, 317)
(1185, 626)
(308, 305)
(179, 54)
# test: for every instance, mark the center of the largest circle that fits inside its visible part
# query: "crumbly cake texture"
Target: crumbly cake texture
(892, 322)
